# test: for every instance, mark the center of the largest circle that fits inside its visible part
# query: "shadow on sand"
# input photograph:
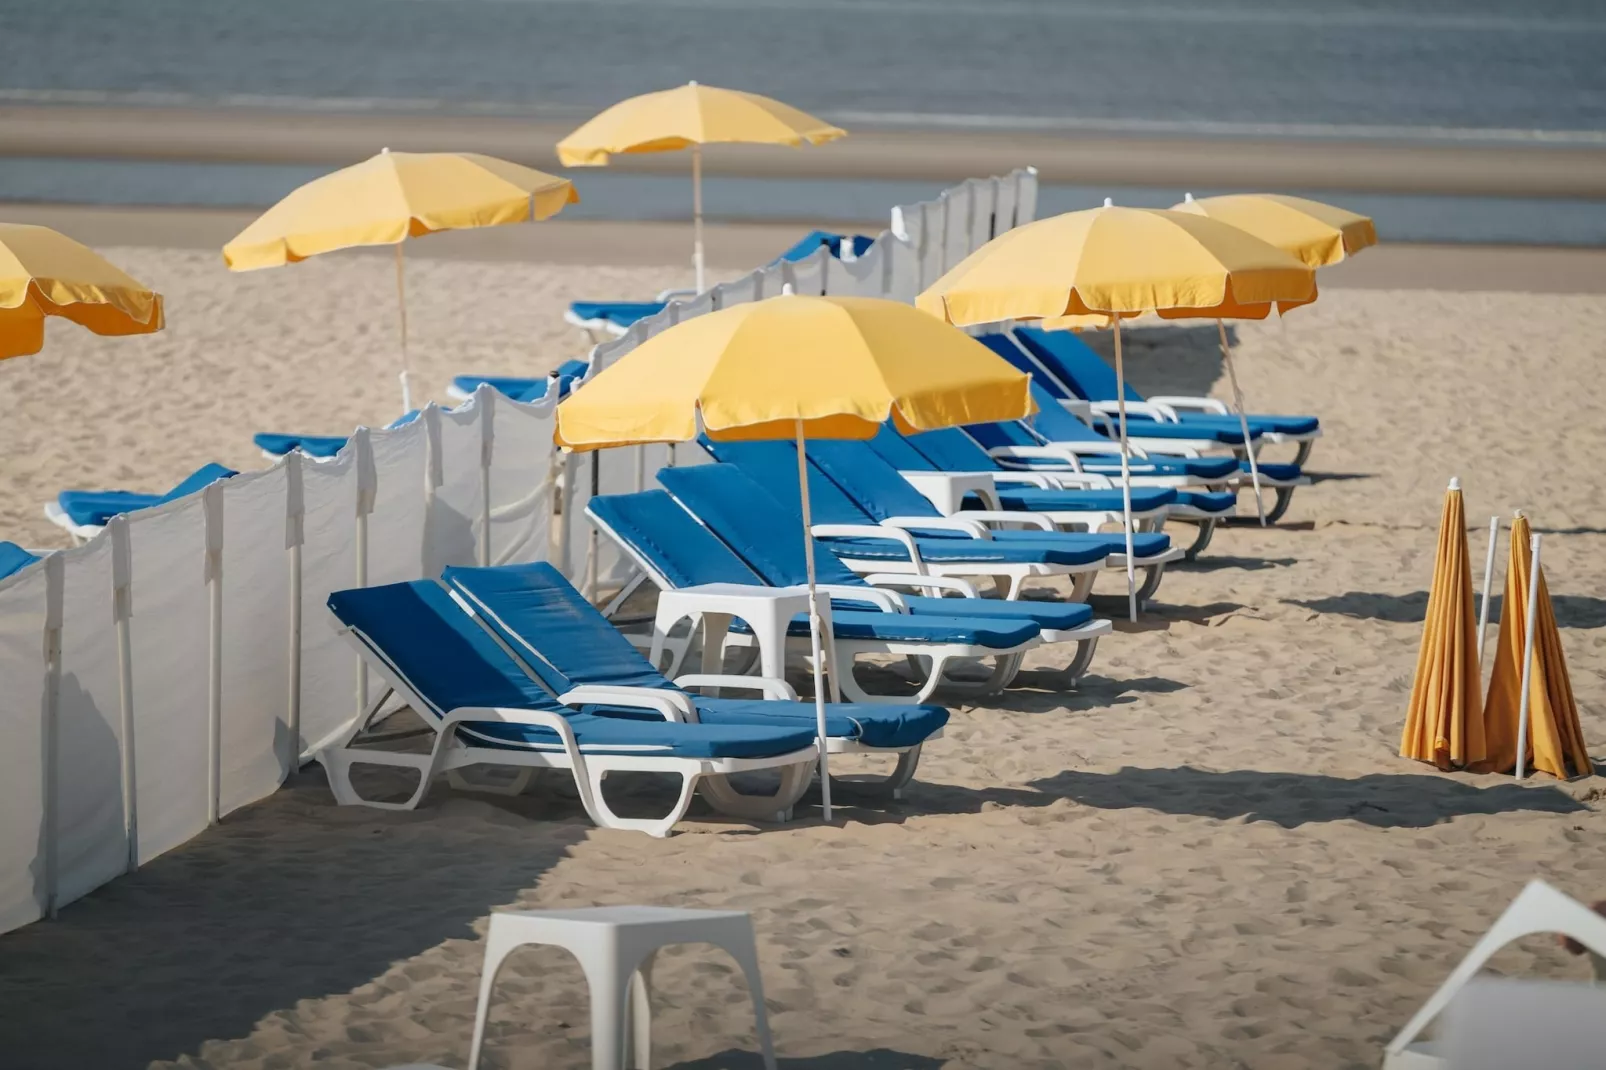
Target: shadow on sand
(1572, 610)
(876, 1059)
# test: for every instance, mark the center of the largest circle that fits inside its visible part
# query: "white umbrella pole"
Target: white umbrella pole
(1488, 576)
(1527, 664)
(401, 303)
(1243, 420)
(814, 621)
(697, 213)
(1126, 477)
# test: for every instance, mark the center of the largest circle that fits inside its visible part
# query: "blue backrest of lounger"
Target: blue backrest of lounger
(869, 480)
(200, 479)
(550, 624)
(951, 450)
(682, 550)
(14, 558)
(774, 465)
(1073, 361)
(575, 368)
(440, 650)
(1003, 433)
(899, 452)
(1005, 347)
(618, 313)
(762, 531)
(1056, 423)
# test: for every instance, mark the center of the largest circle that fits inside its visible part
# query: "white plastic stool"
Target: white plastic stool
(615, 946)
(767, 610)
(947, 490)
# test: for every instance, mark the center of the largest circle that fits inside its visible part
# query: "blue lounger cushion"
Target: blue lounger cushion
(1144, 543)
(537, 612)
(1259, 423)
(1070, 359)
(452, 663)
(311, 445)
(1209, 501)
(93, 507)
(618, 313)
(946, 551)
(1144, 499)
(14, 558)
(999, 633)
(859, 244)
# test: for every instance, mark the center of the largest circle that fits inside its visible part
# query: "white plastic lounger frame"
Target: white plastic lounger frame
(1006, 664)
(1539, 909)
(451, 754)
(80, 533)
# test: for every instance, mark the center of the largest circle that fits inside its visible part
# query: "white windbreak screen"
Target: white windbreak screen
(455, 514)
(170, 658)
(92, 845)
(22, 748)
(328, 564)
(396, 525)
(521, 482)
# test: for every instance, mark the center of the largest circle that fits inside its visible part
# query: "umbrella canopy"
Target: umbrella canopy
(43, 273)
(791, 367)
(1444, 719)
(389, 198)
(1102, 265)
(1318, 234)
(691, 116)
(840, 365)
(1554, 740)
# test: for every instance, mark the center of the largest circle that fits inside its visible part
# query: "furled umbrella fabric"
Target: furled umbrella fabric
(795, 367)
(1444, 720)
(691, 116)
(1556, 738)
(1103, 265)
(389, 198)
(44, 274)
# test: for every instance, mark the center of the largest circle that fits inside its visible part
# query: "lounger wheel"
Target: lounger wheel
(723, 796)
(1285, 496)
(1207, 531)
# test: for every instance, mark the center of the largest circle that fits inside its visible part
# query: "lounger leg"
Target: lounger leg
(1285, 497)
(520, 781)
(1082, 585)
(723, 796)
(597, 806)
(1207, 530)
(1016, 582)
(1151, 583)
(338, 761)
(1304, 453)
(1084, 657)
(904, 771)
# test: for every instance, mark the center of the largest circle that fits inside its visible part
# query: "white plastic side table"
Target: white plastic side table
(947, 490)
(767, 610)
(615, 946)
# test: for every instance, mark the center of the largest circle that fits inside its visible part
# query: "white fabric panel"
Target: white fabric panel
(328, 564)
(740, 291)
(657, 323)
(864, 277)
(22, 748)
(933, 242)
(257, 751)
(957, 203)
(396, 526)
(605, 353)
(169, 644)
(1026, 197)
(521, 481)
(700, 305)
(92, 846)
(984, 198)
(808, 274)
(908, 223)
(769, 280)
(903, 270)
(455, 513)
(1005, 197)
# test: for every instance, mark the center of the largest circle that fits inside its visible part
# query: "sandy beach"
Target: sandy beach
(1205, 855)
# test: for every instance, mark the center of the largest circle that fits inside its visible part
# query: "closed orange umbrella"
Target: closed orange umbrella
(1554, 740)
(1444, 722)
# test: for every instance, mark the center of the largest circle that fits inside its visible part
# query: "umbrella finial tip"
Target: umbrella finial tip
(1455, 482)
(1516, 514)
(1109, 202)
(692, 82)
(1187, 198)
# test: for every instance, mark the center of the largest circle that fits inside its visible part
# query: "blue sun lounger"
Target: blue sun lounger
(852, 490)
(485, 710)
(766, 537)
(679, 554)
(82, 513)
(1070, 364)
(14, 558)
(521, 388)
(569, 646)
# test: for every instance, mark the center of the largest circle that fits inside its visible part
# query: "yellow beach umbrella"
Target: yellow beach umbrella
(1318, 234)
(691, 116)
(1530, 717)
(1444, 719)
(392, 197)
(1103, 265)
(795, 367)
(43, 273)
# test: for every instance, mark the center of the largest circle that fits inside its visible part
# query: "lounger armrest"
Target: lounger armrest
(1197, 404)
(938, 523)
(886, 601)
(957, 584)
(1161, 448)
(666, 703)
(769, 685)
(670, 295)
(872, 531)
(1084, 481)
(1011, 516)
(1030, 479)
(1112, 410)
